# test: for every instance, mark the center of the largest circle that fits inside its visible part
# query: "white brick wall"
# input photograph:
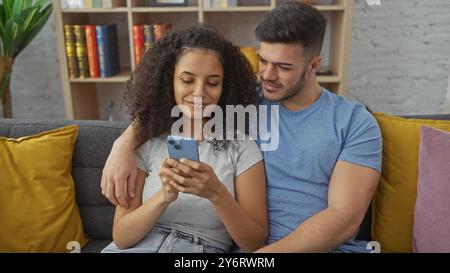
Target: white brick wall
(400, 56)
(399, 62)
(36, 84)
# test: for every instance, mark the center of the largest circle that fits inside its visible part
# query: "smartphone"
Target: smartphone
(182, 147)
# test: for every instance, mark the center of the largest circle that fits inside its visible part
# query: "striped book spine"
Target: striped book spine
(92, 51)
(71, 52)
(80, 44)
(108, 50)
(101, 50)
(138, 41)
(149, 38)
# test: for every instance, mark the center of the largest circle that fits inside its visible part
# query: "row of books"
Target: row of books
(92, 50)
(219, 3)
(86, 4)
(145, 36)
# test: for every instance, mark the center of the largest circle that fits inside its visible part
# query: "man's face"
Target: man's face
(282, 70)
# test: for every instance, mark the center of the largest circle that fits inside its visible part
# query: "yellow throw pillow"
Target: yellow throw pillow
(393, 203)
(38, 210)
(250, 53)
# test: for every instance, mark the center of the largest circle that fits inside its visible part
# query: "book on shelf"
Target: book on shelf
(71, 53)
(145, 37)
(72, 4)
(161, 29)
(113, 3)
(215, 3)
(108, 51)
(80, 44)
(207, 3)
(166, 3)
(149, 37)
(138, 42)
(97, 3)
(87, 4)
(92, 50)
(219, 3)
(223, 3)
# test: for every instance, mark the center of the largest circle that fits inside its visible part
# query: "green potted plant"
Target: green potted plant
(20, 22)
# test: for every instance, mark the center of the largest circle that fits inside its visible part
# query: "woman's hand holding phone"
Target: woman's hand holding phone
(194, 177)
(170, 193)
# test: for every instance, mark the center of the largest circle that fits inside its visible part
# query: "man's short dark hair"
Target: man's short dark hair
(294, 23)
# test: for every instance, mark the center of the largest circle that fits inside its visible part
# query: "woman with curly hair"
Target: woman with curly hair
(183, 205)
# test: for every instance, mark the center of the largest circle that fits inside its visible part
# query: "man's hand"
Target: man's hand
(119, 175)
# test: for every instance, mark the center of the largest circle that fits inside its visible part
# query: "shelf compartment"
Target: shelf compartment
(120, 19)
(179, 21)
(227, 23)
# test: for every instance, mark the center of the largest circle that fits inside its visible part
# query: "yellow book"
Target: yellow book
(87, 4)
(224, 3)
(71, 52)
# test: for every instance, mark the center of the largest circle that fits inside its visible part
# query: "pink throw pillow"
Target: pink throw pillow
(432, 210)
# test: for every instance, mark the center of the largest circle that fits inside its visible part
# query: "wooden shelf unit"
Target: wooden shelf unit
(81, 95)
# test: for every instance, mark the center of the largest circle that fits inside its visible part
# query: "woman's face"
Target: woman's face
(198, 74)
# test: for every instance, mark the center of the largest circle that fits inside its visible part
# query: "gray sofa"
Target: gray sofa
(92, 147)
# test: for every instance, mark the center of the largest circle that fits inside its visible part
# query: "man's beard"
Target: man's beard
(294, 90)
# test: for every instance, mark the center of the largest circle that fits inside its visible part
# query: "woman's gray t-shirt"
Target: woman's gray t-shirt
(190, 213)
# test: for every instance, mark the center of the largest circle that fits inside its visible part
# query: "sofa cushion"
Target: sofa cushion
(92, 147)
(393, 203)
(37, 194)
(432, 209)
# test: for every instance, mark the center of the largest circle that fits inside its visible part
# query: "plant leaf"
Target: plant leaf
(30, 15)
(7, 4)
(13, 34)
(34, 28)
(20, 22)
(17, 8)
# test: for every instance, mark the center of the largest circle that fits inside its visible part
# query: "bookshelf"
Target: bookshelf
(87, 98)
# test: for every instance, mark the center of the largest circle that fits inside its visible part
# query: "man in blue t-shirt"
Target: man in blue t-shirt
(325, 170)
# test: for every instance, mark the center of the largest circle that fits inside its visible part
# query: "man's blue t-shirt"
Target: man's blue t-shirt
(311, 141)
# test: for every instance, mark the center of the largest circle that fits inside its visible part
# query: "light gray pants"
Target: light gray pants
(165, 240)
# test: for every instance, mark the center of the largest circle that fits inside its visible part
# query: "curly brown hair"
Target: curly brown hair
(150, 94)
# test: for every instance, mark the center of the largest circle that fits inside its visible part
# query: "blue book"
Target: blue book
(97, 3)
(108, 50)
